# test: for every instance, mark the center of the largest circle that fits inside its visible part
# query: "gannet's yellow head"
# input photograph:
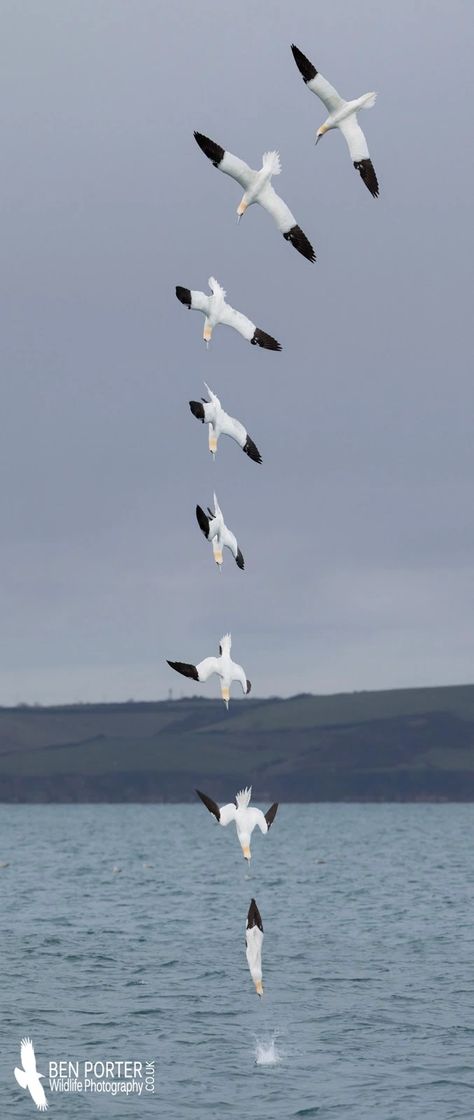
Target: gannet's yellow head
(247, 853)
(225, 693)
(212, 442)
(241, 209)
(259, 987)
(320, 133)
(218, 557)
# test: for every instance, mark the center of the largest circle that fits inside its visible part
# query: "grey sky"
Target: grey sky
(357, 530)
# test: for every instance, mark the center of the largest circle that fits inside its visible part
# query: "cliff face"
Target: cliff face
(401, 745)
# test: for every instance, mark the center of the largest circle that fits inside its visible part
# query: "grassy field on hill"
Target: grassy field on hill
(404, 744)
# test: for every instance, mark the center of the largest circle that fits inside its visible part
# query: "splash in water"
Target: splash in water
(266, 1052)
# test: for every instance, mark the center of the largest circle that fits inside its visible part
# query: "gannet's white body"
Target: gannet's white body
(216, 310)
(220, 423)
(253, 943)
(216, 531)
(223, 666)
(342, 115)
(246, 818)
(258, 188)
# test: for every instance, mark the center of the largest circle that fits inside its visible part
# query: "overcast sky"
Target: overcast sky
(357, 530)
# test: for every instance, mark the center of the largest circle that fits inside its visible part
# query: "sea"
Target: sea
(122, 940)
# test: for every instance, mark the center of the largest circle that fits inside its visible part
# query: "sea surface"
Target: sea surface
(122, 934)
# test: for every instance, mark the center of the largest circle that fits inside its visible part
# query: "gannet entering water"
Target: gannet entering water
(28, 1077)
(223, 665)
(220, 423)
(258, 188)
(215, 530)
(342, 115)
(245, 818)
(254, 942)
(216, 310)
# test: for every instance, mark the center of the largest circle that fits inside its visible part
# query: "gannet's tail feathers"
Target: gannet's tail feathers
(271, 162)
(271, 814)
(216, 288)
(243, 797)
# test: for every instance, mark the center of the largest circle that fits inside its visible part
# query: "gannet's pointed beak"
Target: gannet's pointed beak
(259, 987)
(318, 137)
(241, 210)
(225, 693)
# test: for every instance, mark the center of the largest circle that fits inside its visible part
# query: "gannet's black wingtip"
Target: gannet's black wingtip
(271, 814)
(213, 151)
(210, 804)
(203, 521)
(254, 917)
(251, 450)
(297, 238)
(197, 410)
(366, 171)
(266, 341)
(239, 560)
(184, 295)
(305, 67)
(185, 669)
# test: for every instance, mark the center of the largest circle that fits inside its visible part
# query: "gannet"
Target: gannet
(245, 818)
(223, 665)
(215, 530)
(220, 423)
(254, 942)
(216, 310)
(342, 115)
(28, 1077)
(258, 188)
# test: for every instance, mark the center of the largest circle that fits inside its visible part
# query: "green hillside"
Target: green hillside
(403, 744)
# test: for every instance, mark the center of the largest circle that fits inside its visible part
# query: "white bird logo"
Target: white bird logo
(28, 1077)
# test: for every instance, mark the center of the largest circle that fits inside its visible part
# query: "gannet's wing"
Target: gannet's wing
(21, 1077)
(230, 542)
(224, 815)
(256, 818)
(315, 82)
(208, 525)
(239, 675)
(205, 411)
(225, 161)
(232, 318)
(234, 429)
(253, 916)
(359, 153)
(207, 667)
(200, 672)
(271, 814)
(285, 221)
(27, 1054)
(253, 945)
(194, 301)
